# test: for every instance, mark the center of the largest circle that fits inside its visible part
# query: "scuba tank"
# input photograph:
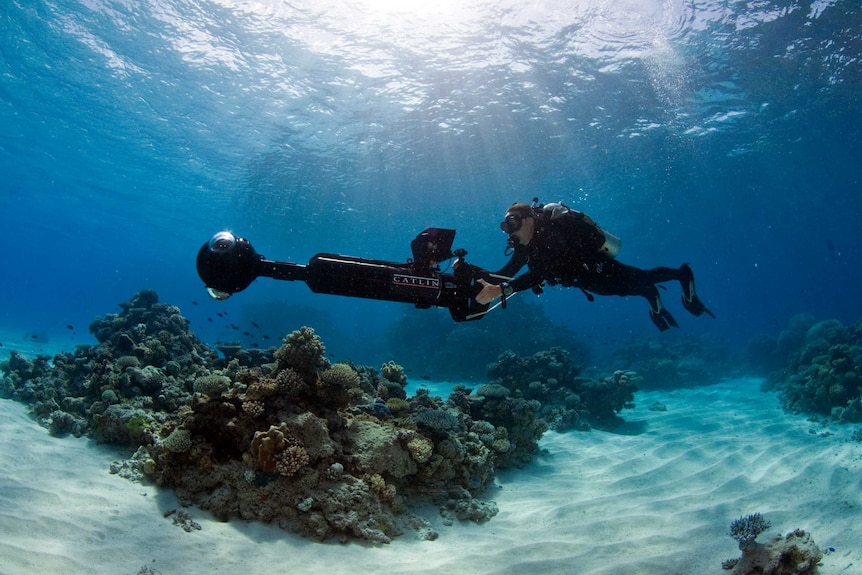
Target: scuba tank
(557, 210)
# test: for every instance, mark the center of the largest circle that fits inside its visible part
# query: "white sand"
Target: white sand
(656, 502)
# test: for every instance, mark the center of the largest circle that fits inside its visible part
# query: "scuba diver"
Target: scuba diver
(563, 246)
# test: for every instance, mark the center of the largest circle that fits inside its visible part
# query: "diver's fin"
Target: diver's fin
(690, 301)
(696, 307)
(658, 314)
(663, 320)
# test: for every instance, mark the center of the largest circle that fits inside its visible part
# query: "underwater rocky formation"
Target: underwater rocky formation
(561, 396)
(823, 378)
(283, 435)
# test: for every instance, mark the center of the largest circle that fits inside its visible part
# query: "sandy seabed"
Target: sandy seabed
(655, 497)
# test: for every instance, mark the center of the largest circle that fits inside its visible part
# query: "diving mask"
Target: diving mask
(512, 223)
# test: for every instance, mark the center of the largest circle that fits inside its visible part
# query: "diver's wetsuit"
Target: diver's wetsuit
(568, 251)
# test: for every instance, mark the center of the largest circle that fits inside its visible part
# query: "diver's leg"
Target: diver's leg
(616, 278)
(686, 279)
(662, 274)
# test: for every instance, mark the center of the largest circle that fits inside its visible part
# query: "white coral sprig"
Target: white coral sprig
(746, 529)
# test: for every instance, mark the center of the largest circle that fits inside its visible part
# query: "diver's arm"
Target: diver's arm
(491, 291)
(488, 293)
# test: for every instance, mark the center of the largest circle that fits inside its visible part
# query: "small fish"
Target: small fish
(70, 327)
(209, 319)
(246, 333)
(1, 344)
(255, 345)
(194, 303)
(220, 314)
(425, 377)
(255, 325)
(266, 337)
(34, 336)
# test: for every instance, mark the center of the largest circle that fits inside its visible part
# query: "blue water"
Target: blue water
(722, 133)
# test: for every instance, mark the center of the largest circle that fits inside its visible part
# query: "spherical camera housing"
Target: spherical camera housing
(227, 264)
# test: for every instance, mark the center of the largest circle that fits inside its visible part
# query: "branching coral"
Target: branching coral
(746, 529)
(393, 372)
(303, 351)
(290, 382)
(253, 408)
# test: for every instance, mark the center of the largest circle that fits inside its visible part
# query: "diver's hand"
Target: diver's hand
(489, 292)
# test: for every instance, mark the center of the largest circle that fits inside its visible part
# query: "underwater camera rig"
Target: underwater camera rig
(228, 264)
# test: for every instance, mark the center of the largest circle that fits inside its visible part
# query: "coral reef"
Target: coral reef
(824, 376)
(560, 395)
(281, 435)
(767, 354)
(121, 390)
(666, 364)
